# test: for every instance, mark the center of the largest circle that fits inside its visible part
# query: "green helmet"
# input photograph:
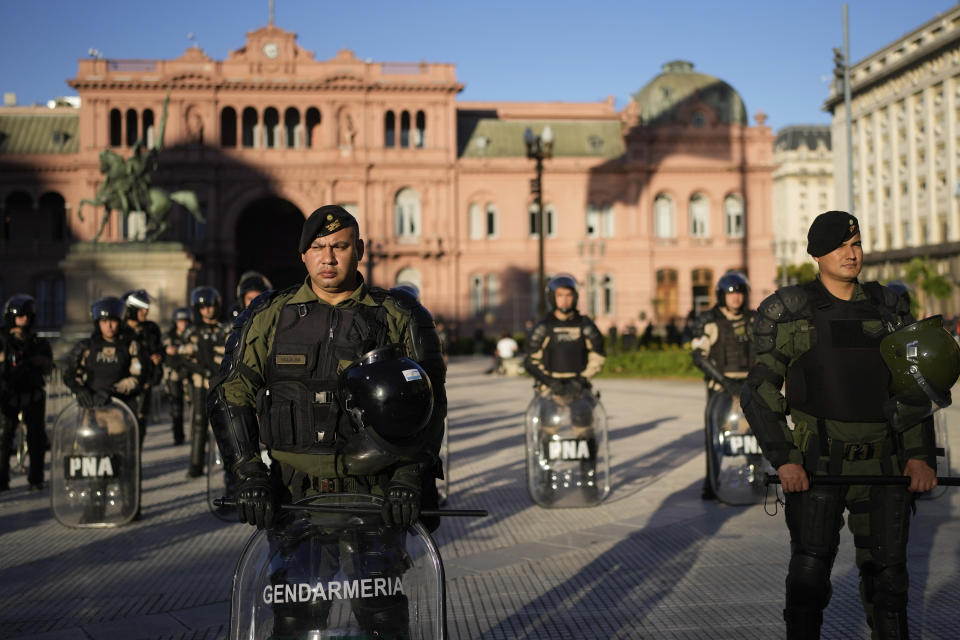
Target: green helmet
(924, 360)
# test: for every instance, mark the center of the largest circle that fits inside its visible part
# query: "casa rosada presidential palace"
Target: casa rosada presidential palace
(646, 206)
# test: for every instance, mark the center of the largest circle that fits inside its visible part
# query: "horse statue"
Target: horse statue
(127, 188)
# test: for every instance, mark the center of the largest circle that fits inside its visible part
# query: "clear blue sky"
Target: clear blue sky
(776, 54)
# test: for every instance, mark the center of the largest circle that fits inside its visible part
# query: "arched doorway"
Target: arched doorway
(268, 231)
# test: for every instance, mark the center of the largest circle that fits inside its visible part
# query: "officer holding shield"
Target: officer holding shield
(722, 348)
(174, 371)
(287, 381)
(823, 341)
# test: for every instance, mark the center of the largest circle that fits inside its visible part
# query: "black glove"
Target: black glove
(558, 387)
(732, 386)
(85, 397)
(255, 500)
(578, 384)
(101, 398)
(401, 506)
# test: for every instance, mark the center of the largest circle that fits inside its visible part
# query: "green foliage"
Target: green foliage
(922, 273)
(669, 362)
(797, 273)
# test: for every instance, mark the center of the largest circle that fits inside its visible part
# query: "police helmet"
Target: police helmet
(181, 313)
(205, 297)
(134, 301)
(19, 304)
(252, 281)
(566, 281)
(732, 282)
(388, 396)
(108, 307)
(407, 287)
(924, 361)
(902, 289)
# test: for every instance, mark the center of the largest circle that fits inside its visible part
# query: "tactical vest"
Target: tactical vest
(567, 350)
(16, 368)
(842, 376)
(733, 350)
(107, 362)
(209, 336)
(297, 404)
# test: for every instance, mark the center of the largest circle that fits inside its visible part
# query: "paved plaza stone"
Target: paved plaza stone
(654, 561)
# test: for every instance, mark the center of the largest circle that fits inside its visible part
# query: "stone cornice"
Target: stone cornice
(265, 85)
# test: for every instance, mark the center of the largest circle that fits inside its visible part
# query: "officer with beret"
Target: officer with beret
(281, 383)
(821, 340)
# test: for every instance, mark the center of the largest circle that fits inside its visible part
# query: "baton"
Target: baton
(332, 508)
(947, 481)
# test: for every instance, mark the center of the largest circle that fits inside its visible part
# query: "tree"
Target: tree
(922, 274)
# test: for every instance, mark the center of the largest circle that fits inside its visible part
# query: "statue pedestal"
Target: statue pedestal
(92, 271)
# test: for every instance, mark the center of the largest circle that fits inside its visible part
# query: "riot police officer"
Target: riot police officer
(287, 357)
(25, 358)
(174, 372)
(722, 348)
(823, 339)
(564, 350)
(251, 285)
(137, 307)
(202, 352)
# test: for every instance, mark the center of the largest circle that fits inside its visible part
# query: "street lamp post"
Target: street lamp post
(539, 147)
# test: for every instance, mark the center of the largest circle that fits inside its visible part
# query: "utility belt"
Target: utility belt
(302, 484)
(836, 452)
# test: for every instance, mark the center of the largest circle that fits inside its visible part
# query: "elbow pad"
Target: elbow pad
(235, 428)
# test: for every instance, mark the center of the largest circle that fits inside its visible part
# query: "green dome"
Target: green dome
(665, 97)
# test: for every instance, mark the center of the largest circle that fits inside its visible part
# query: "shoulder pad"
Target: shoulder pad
(404, 299)
(379, 294)
(884, 295)
(701, 321)
(537, 335)
(796, 300)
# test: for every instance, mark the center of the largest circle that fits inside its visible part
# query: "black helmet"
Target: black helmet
(732, 282)
(902, 289)
(924, 361)
(252, 281)
(407, 287)
(19, 304)
(205, 297)
(107, 307)
(134, 301)
(389, 397)
(566, 281)
(182, 313)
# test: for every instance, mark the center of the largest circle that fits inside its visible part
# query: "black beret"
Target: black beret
(324, 221)
(829, 230)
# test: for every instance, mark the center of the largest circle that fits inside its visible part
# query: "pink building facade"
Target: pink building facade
(647, 207)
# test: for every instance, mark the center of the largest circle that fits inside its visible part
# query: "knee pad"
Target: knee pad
(386, 615)
(808, 582)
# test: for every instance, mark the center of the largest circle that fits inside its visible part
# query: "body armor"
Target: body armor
(733, 348)
(297, 405)
(106, 362)
(568, 348)
(842, 376)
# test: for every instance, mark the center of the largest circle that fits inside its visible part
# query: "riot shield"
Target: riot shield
(943, 455)
(20, 445)
(338, 574)
(568, 458)
(95, 466)
(443, 484)
(736, 465)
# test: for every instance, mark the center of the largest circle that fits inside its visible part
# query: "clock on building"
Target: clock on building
(271, 50)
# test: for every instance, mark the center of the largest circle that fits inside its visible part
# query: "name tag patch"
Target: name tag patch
(291, 358)
(411, 375)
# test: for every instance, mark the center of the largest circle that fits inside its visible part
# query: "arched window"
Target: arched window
(291, 128)
(475, 221)
(699, 216)
(148, 130)
(702, 282)
(476, 295)
(131, 127)
(550, 223)
(420, 134)
(313, 127)
(53, 212)
(228, 127)
(271, 124)
(389, 130)
(491, 224)
(664, 217)
(493, 291)
(733, 215)
(17, 216)
(411, 275)
(666, 303)
(406, 214)
(405, 129)
(250, 128)
(116, 128)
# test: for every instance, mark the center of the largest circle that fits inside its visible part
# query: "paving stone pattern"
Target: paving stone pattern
(654, 561)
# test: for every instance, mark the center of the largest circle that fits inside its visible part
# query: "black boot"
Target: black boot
(803, 623)
(889, 625)
(178, 436)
